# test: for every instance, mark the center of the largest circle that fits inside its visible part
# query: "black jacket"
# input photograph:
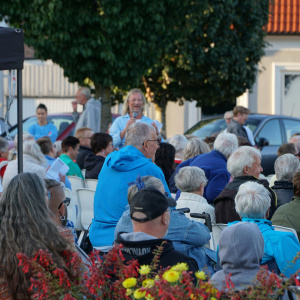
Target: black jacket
(224, 203)
(83, 152)
(143, 252)
(284, 191)
(93, 165)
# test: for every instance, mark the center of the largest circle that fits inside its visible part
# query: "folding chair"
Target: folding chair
(76, 182)
(91, 184)
(286, 229)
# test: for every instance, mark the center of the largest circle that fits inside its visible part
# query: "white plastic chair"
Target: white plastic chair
(286, 229)
(91, 184)
(86, 204)
(83, 172)
(76, 182)
(217, 230)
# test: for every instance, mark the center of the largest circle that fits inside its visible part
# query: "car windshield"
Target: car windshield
(211, 126)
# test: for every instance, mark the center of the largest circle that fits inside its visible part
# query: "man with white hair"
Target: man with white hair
(214, 165)
(91, 114)
(286, 167)
(252, 203)
(243, 165)
(119, 168)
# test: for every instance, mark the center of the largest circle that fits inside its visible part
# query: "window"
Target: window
(291, 127)
(271, 131)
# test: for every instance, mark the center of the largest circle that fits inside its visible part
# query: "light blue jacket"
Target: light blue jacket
(119, 124)
(283, 246)
(188, 237)
(47, 130)
(119, 168)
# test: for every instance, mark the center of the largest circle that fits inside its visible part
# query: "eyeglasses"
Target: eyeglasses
(157, 141)
(66, 202)
(49, 194)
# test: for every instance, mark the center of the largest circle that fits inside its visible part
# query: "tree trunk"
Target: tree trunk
(163, 118)
(104, 95)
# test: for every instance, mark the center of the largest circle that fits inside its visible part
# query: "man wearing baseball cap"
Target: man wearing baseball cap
(149, 212)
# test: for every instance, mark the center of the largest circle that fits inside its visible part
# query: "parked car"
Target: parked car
(269, 131)
(63, 122)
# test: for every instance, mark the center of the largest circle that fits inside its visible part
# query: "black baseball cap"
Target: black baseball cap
(150, 202)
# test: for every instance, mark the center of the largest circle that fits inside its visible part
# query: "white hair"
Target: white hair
(86, 92)
(33, 149)
(137, 133)
(194, 147)
(252, 200)
(26, 137)
(286, 166)
(189, 179)
(226, 143)
(229, 113)
(242, 157)
(179, 142)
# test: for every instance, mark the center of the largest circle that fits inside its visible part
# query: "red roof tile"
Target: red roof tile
(284, 17)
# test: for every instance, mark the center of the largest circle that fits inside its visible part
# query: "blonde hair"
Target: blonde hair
(133, 91)
(80, 132)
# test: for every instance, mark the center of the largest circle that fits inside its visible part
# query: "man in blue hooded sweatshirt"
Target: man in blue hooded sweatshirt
(120, 168)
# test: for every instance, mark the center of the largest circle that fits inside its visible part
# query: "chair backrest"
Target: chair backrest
(76, 182)
(217, 230)
(73, 209)
(285, 229)
(91, 184)
(86, 203)
(83, 171)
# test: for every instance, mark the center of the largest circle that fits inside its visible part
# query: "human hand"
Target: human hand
(74, 106)
(131, 121)
(62, 178)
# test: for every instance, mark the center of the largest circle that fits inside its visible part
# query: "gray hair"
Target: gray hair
(229, 113)
(86, 92)
(137, 133)
(3, 144)
(286, 166)
(125, 105)
(179, 142)
(189, 179)
(194, 147)
(31, 148)
(226, 143)
(252, 200)
(296, 140)
(26, 137)
(149, 181)
(242, 157)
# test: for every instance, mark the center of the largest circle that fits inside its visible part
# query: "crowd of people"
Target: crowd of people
(145, 184)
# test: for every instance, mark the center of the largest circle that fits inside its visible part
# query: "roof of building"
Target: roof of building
(284, 17)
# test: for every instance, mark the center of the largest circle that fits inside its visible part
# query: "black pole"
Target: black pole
(20, 121)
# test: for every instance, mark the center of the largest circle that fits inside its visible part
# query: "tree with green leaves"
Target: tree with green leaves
(105, 43)
(216, 59)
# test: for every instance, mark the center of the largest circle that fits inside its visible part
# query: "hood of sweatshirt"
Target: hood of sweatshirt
(126, 159)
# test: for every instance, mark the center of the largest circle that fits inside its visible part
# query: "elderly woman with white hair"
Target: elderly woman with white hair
(194, 147)
(191, 181)
(286, 167)
(252, 203)
(179, 142)
(133, 111)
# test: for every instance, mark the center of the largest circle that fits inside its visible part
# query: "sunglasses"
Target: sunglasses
(66, 202)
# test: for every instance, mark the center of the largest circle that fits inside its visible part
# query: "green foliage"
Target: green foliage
(216, 59)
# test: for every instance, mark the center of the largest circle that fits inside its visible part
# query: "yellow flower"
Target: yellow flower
(171, 276)
(149, 297)
(129, 282)
(144, 270)
(200, 275)
(148, 283)
(129, 292)
(180, 267)
(138, 294)
(156, 277)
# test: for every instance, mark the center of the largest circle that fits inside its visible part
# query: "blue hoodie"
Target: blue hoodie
(119, 168)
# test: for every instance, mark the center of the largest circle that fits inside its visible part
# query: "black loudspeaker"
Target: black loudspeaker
(11, 48)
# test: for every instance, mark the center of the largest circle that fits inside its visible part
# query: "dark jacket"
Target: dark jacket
(284, 191)
(224, 203)
(83, 152)
(237, 129)
(93, 165)
(143, 252)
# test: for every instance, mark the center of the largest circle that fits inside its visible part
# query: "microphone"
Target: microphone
(134, 115)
